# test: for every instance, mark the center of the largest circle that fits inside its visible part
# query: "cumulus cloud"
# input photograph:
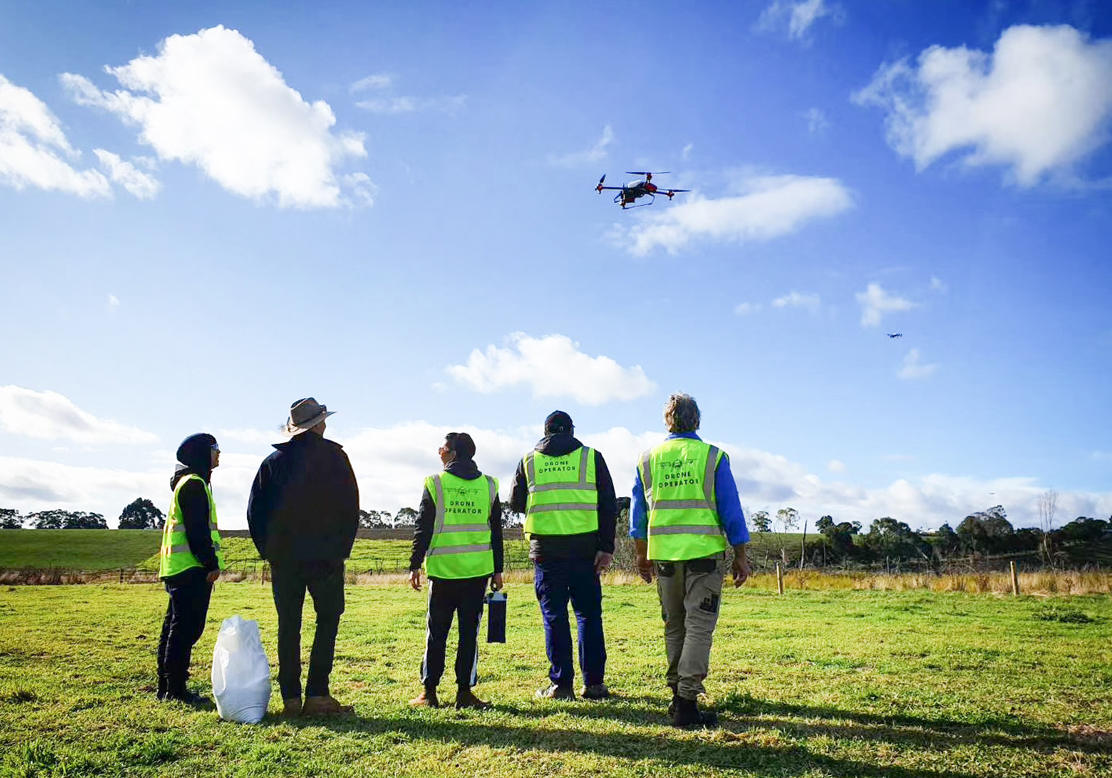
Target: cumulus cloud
(794, 299)
(34, 150)
(876, 303)
(113, 301)
(127, 175)
(1037, 104)
(913, 366)
(552, 366)
(795, 17)
(769, 207)
(211, 100)
(595, 153)
(53, 416)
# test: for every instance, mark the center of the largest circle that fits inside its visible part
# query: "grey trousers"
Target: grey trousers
(690, 593)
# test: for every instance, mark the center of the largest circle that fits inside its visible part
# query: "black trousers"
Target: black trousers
(449, 597)
(325, 583)
(182, 627)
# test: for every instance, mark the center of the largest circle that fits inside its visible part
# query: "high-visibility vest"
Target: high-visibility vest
(460, 545)
(175, 556)
(678, 478)
(563, 493)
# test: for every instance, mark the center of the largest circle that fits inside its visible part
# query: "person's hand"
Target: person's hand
(602, 562)
(415, 579)
(212, 576)
(740, 569)
(496, 582)
(645, 569)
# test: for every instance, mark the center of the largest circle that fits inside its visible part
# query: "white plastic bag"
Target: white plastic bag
(240, 672)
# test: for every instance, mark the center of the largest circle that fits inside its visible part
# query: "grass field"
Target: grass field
(834, 683)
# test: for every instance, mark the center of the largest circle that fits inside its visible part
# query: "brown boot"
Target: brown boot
(426, 699)
(466, 699)
(291, 708)
(324, 705)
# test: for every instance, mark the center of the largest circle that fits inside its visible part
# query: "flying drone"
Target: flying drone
(895, 334)
(626, 195)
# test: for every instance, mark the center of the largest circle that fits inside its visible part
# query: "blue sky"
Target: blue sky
(211, 211)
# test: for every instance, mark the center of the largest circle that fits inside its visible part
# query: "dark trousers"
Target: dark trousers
(325, 583)
(448, 598)
(556, 581)
(182, 627)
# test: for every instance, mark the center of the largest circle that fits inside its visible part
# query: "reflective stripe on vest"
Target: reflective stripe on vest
(460, 546)
(563, 493)
(175, 555)
(678, 479)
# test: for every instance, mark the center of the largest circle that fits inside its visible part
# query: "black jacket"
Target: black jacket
(304, 504)
(426, 518)
(583, 545)
(194, 504)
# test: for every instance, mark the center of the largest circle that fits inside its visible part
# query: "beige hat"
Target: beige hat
(306, 414)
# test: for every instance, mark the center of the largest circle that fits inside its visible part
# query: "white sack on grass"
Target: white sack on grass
(240, 672)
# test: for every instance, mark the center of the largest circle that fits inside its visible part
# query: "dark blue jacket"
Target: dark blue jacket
(304, 504)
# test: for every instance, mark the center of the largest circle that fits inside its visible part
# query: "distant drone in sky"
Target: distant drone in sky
(635, 189)
(895, 334)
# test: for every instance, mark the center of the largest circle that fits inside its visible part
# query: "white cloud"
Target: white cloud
(770, 207)
(127, 175)
(211, 100)
(817, 122)
(795, 17)
(1037, 104)
(34, 148)
(52, 416)
(836, 466)
(913, 366)
(553, 366)
(373, 81)
(686, 153)
(938, 285)
(745, 309)
(113, 301)
(876, 303)
(405, 104)
(794, 299)
(595, 153)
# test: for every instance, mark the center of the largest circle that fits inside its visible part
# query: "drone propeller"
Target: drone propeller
(647, 172)
(599, 187)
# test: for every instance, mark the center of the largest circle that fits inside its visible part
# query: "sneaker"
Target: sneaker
(324, 705)
(556, 692)
(688, 716)
(291, 708)
(465, 698)
(594, 691)
(426, 699)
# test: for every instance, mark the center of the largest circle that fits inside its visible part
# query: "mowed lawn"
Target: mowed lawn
(846, 683)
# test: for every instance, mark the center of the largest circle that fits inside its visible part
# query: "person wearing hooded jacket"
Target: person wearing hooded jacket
(303, 514)
(459, 539)
(567, 496)
(190, 561)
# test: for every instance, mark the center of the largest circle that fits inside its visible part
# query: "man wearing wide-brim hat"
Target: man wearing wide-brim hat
(303, 513)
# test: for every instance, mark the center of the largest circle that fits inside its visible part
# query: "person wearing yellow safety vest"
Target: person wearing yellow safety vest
(190, 561)
(459, 538)
(685, 512)
(566, 493)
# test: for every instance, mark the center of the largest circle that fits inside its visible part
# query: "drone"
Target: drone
(626, 195)
(894, 334)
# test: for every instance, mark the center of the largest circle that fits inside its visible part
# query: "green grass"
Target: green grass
(846, 683)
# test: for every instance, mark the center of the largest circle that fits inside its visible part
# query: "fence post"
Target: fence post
(779, 579)
(121, 575)
(1015, 579)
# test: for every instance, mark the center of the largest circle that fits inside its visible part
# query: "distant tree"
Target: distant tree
(10, 519)
(890, 538)
(141, 513)
(374, 519)
(1083, 530)
(824, 523)
(511, 519)
(1048, 506)
(839, 537)
(60, 519)
(786, 519)
(405, 517)
(945, 542)
(760, 520)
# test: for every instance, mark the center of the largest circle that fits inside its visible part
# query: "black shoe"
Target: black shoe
(675, 696)
(594, 691)
(162, 686)
(688, 716)
(555, 692)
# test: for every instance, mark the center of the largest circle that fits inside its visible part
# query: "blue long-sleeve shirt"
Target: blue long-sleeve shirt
(727, 502)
